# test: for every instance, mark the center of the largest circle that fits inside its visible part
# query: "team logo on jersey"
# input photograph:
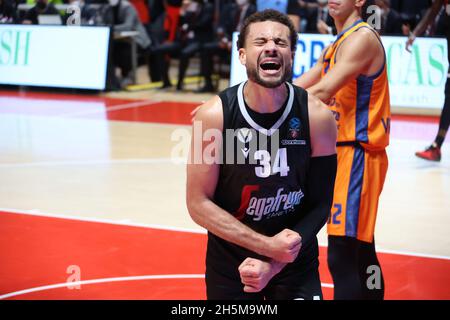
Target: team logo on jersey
(294, 128)
(293, 133)
(259, 208)
(245, 135)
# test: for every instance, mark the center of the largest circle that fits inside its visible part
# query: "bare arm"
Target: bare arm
(323, 128)
(427, 19)
(201, 185)
(313, 75)
(355, 57)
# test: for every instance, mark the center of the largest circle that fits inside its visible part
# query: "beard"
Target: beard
(253, 74)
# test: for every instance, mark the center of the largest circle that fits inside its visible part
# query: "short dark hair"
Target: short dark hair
(268, 15)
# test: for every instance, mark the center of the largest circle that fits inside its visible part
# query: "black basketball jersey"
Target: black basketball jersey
(262, 179)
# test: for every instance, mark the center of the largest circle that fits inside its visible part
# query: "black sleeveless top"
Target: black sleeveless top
(262, 180)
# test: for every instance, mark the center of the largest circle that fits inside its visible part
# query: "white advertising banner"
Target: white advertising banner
(54, 56)
(416, 79)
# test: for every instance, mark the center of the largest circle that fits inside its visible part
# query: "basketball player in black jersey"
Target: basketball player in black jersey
(265, 202)
(433, 152)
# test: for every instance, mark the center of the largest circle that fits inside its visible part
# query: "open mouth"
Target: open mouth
(270, 66)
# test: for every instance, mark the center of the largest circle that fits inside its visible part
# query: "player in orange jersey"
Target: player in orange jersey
(351, 77)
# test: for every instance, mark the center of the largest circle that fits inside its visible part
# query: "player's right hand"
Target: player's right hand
(285, 246)
(255, 274)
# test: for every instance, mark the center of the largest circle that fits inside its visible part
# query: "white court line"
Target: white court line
(108, 280)
(419, 255)
(75, 116)
(94, 162)
(104, 280)
(99, 220)
(113, 108)
(159, 227)
(403, 253)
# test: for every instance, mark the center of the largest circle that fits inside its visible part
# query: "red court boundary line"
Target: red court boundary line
(111, 100)
(30, 95)
(415, 118)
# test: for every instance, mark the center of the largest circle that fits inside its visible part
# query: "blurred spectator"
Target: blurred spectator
(319, 19)
(142, 10)
(391, 20)
(196, 22)
(7, 12)
(88, 15)
(122, 16)
(324, 20)
(172, 18)
(441, 25)
(415, 8)
(41, 7)
(156, 9)
(289, 7)
(231, 19)
(411, 12)
(54, 2)
(164, 20)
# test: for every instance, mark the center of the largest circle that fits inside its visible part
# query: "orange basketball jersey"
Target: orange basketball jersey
(362, 111)
(362, 106)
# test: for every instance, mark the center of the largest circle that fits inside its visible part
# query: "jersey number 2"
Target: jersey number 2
(279, 166)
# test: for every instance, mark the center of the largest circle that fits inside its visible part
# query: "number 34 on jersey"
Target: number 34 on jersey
(265, 168)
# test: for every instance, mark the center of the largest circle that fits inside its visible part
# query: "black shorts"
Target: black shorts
(298, 280)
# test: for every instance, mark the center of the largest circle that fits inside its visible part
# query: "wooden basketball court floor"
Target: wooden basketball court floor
(92, 205)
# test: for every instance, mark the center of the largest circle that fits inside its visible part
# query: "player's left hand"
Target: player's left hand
(255, 274)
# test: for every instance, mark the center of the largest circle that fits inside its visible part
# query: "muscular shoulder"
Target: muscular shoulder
(362, 43)
(323, 128)
(210, 114)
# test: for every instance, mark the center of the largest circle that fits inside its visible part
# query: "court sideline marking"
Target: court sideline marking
(109, 280)
(103, 280)
(123, 106)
